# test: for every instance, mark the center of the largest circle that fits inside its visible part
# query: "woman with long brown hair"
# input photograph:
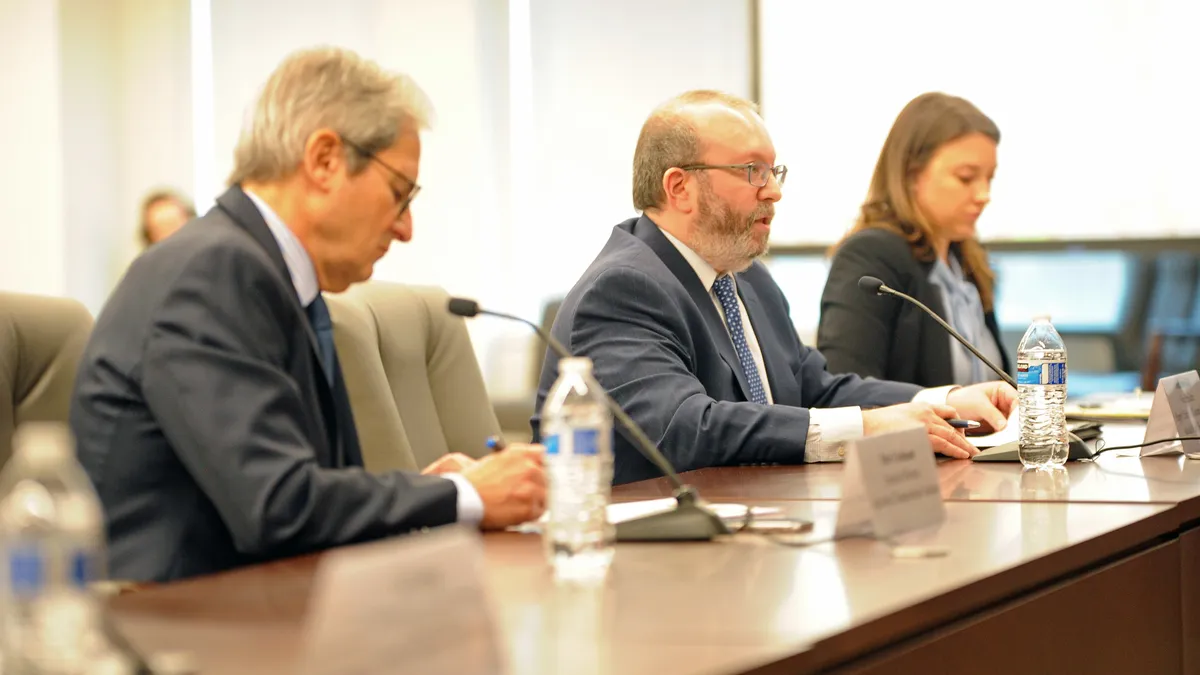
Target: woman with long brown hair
(916, 232)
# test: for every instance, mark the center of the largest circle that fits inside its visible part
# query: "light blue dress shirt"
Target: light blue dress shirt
(964, 311)
(304, 279)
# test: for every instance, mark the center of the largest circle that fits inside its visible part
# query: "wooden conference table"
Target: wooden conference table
(1088, 570)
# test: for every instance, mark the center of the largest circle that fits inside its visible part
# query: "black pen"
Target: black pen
(496, 444)
(963, 424)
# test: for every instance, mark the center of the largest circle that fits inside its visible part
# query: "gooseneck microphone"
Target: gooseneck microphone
(691, 519)
(1077, 449)
(876, 286)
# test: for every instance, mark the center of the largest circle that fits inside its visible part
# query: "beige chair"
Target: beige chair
(415, 386)
(41, 340)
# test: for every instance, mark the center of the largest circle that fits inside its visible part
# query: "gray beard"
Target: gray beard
(723, 238)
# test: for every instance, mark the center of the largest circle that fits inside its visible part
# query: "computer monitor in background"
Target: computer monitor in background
(1081, 291)
(1087, 294)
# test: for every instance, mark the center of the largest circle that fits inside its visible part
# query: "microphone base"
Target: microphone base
(690, 520)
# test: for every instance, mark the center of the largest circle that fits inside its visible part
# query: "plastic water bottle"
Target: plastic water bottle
(577, 433)
(1042, 391)
(51, 547)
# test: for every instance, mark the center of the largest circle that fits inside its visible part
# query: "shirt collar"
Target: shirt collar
(703, 270)
(299, 264)
(948, 273)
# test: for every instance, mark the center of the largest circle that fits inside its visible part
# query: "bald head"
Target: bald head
(681, 131)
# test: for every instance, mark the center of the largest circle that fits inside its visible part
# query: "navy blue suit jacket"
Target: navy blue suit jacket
(660, 347)
(205, 421)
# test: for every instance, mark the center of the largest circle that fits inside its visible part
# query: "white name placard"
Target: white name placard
(416, 604)
(890, 485)
(1174, 412)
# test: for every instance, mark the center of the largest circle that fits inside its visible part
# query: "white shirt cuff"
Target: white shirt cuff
(935, 396)
(470, 504)
(828, 431)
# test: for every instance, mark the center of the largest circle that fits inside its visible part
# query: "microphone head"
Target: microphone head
(463, 307)
(870, 284)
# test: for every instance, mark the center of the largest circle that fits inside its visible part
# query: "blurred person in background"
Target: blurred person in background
(916, 232)
(163, 212)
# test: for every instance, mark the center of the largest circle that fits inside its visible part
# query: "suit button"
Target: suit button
(841, 451)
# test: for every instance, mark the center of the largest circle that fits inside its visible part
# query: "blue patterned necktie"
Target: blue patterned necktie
(322, 325)
(733, 318)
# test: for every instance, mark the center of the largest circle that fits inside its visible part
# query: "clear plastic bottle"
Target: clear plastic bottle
(51, 549)
(577, 432)
(1042, 391)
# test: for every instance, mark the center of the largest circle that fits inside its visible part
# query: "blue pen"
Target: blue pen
(963, 424)
(495, 443)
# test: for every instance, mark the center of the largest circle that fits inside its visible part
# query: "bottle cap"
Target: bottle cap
(575, 364)
(1041, 317)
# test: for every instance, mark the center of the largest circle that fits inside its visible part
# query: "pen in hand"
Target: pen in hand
(963, 424)
(496, 443)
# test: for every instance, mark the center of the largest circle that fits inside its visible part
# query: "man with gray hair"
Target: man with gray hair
(690, 333)
(210, 411)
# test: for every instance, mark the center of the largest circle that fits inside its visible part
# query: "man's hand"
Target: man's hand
(945, 439)
(989, 403)
(512, 485)
(454, 462)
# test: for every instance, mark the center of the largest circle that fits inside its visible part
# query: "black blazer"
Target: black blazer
(881, 336)
(205, 421)
(659, 346)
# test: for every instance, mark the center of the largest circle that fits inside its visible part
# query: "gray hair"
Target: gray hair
(326, 87)
(669, 139)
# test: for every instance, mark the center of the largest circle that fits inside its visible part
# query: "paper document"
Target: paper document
(622, 511)
(1115, 407)
(618, 513)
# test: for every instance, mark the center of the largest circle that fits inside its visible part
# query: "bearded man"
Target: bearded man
(691, 335)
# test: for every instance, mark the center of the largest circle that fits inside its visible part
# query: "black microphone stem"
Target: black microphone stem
(953, 333)
(690, 519)
(626, 425)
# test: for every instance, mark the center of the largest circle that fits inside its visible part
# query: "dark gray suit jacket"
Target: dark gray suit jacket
(205, 421)
(661, 349)
(880, 336)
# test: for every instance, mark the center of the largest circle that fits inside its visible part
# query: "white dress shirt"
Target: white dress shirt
(304, 279)
(828, 428)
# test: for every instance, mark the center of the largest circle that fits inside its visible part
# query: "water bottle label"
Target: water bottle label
(587, 442)
(1042, 372)
(26, 570)
(580, 442)
(81, 569)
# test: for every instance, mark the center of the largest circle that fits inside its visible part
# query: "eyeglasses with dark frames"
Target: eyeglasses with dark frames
(757, 173)
(401, 200)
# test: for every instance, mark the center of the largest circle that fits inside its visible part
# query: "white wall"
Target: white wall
(154, 113)
(89, 91)
(32, 233)
(599, 68)
(98, 119)
(1091, 97)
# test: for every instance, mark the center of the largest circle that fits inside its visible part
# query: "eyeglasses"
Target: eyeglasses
(757, 173)
(401, 200)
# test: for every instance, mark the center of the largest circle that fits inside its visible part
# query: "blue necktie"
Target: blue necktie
(322, 325)
(733, 318)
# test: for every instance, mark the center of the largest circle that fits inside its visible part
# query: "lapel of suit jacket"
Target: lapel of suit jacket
(779, 377)
(246, 215)
(647, 231)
